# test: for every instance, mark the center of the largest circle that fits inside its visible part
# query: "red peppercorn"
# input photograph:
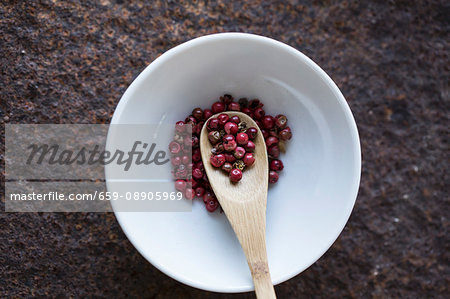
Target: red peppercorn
(175, 161)
(214, 137)
(197, 174)
(258, 113)
(229, 157)
(271, 141)
(267, 122)
(180, 185)
(265, 133)
(243, 102)
(235, 175)
(205, 178)
(229, 145)
(233, 106)
(276, 165)
(176, 175)
(219, 148)
(227, 98)
(212, 124)
(273, 177)
(231, 128)
(281, 121)
(274, 151)
(192, 184)
(247, 111)
(228, 137)
(197, 113)
(200, 165)
(174, 147)
(190, 120)
(199, 191)
(235, 119)
(198, 128)
(212, 205)
(255, 103)
(189, 142)
(223, 119)
(180, 126)
(185, 160)
(214, 151)
(285, 134)
(195, 141)
(196, 155)
(207, 113)
(217, 160)
(242, 138)
(218, 107)
(205, 184)
(252, 132)
(181, 172)
(227, 166)
(209, 195)
(248, 159)
(239, 152)
(189, 193)
(250, 147)
(273, 133)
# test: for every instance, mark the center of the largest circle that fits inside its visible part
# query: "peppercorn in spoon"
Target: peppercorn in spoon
(244, 204)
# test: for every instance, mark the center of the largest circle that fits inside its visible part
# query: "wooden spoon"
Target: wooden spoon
(244, 204)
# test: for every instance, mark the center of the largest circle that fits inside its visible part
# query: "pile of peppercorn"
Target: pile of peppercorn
(188, 170)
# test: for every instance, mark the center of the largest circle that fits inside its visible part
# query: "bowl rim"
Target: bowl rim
(299, 55)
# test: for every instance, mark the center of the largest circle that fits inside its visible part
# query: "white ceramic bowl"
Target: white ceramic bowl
(309, 206)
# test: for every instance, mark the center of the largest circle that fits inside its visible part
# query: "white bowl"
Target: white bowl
(312, 201)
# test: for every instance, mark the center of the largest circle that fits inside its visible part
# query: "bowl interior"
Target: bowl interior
(309, 206)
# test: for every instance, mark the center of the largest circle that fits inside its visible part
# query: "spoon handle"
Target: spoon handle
(262, 281)
(264, 288)
(249, 224)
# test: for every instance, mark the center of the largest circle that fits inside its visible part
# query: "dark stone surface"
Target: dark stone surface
(70, 61)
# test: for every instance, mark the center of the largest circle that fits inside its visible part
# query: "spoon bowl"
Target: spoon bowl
(244, 204)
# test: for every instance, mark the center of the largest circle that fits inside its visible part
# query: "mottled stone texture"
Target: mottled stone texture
(70, 61)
